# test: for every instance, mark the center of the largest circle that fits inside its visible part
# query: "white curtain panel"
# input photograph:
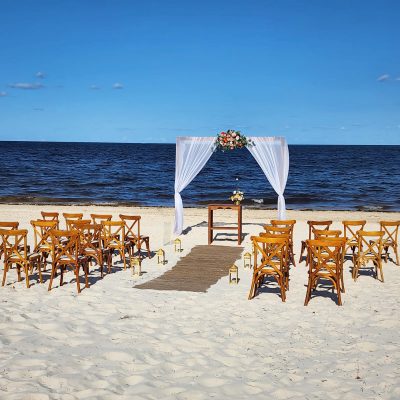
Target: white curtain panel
(192, 154)
(272, 155)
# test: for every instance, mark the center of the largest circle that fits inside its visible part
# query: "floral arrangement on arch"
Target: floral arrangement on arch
(237, 197)
(231, 140)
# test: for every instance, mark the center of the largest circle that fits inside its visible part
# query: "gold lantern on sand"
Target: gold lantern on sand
(161, 256)
(136, 265)
(234, 274)
(178, 245)
(247, 260)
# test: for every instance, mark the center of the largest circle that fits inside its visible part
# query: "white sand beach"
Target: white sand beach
(115, 341)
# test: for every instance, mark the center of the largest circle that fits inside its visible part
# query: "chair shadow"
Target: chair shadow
(325, 289)
(266, 287)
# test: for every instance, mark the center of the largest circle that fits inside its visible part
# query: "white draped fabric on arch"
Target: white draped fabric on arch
(192, 154)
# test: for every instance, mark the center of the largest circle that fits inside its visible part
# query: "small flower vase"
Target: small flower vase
(237, 202)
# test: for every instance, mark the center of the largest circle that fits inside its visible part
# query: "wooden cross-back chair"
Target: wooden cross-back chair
(369, 248)
(65, 254)
(113, 234)
(42, 240)
(15, 249)
(51, 216)
(312, 226)
(6, 225)
(132, 226)
(325, 262)
(390, 238)
(287, 223)
(273, 261)
(351, 227)
(91, 246)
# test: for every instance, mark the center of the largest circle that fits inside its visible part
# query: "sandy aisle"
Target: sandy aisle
(113, 341)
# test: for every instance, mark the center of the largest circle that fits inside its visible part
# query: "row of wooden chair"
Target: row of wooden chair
(326, 250)
(389, 229)
(82, 241)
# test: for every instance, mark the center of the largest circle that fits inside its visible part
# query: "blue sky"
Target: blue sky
(148, 71)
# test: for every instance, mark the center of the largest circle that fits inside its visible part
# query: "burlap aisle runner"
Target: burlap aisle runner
(199, 270)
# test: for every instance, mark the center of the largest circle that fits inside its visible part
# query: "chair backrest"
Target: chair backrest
(313, 225)
(90, 236)
(9, 225)
(390, 230)
(50, 216)
(351, 227)
(14, 244)
(273, 251)
(99, 218)
(285, 223)
(370, 244)
(65, 246)
(113, 232)
(76, 223)
(326, 233)
(41, 233)
(132, 225)
(326, 254)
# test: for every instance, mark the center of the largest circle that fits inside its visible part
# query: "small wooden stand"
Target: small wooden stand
(211, 226)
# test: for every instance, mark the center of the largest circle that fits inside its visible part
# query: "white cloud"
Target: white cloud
(118, 85)
(383, 78)
(40, 75)
(26, 86)
(94, 87)
(3, 94)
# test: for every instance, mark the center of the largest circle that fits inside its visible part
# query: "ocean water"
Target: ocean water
(320, 177)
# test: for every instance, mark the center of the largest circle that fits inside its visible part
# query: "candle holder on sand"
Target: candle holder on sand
(160, 256)
(178, 245)
(234, 274)
(247, 260)
(136, 265)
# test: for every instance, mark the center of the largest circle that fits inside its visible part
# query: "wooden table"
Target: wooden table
(211, 227)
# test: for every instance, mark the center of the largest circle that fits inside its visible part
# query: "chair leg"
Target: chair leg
(77, 278)
(148, 248)
(339, 296)
(39, 267)
(61, 275)
(86, 271)
(5, 273)
(303, 247)
(19, 272)
(26, 268)
(308, 292)
(379, 266)
(123, 257)
(252, 288)
(397, 254)
(53, 267)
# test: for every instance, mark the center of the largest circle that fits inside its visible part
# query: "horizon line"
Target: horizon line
(168, 143)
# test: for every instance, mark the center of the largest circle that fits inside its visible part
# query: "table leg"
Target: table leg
(210, 225)
(240, 225)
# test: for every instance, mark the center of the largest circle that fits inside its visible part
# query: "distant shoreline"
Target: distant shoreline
(198, 207)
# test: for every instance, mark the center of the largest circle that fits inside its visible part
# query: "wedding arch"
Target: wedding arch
(192, 154)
